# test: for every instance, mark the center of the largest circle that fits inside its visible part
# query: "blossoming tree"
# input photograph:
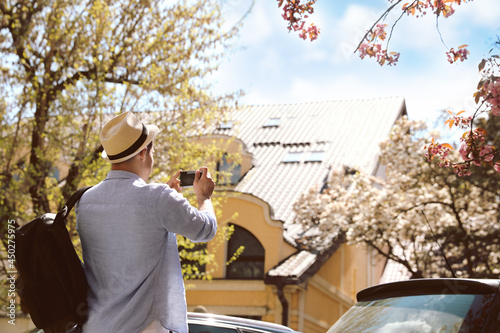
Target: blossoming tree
(375, 43)
(419, 216)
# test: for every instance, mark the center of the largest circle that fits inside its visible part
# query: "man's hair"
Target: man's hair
(148, 150)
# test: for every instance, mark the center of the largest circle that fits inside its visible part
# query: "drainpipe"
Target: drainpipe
(284, 304)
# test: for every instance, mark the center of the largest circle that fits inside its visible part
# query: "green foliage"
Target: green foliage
(67, 66)
(198, 260)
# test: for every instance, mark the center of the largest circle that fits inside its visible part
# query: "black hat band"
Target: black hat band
(137, 144)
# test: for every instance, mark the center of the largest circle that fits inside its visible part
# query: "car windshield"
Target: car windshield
(423, 314)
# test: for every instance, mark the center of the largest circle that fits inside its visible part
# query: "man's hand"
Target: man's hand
(174, 182)
(203, 187)
(203, 184)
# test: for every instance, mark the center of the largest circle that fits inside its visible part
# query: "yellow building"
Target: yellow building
(286, 150)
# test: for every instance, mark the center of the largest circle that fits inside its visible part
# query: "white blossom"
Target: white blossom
(414, 216)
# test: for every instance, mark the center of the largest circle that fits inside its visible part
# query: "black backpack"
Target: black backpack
(51, 282)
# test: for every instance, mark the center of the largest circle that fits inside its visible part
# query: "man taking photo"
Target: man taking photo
(128, 232)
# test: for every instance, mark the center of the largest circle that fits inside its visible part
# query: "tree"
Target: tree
(68, 65)
(421, 214)
(375, 44)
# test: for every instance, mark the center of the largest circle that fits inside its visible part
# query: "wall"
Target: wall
(252, 214)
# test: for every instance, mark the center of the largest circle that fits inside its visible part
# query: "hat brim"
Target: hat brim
(152, 131)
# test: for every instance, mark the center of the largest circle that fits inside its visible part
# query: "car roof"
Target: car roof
(198, 317)
(429, 286)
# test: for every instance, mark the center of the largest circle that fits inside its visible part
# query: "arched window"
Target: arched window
(229, 172)
(250, 264)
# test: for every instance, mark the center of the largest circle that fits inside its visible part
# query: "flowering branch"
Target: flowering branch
(295, 13)
(473, 148)
(367, 45)
(371, 44)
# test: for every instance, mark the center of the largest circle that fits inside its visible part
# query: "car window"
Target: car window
(423, 314)
(199, 328)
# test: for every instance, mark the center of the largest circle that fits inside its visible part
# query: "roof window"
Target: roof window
(272, 122)
(293, 157)
(315, 156)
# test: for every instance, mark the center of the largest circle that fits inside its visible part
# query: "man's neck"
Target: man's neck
(129, 166)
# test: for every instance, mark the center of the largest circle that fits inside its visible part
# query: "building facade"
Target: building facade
(285, 151)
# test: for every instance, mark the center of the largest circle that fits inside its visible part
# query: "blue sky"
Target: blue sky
(274, 66)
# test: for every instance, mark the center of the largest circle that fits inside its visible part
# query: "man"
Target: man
(128, 232)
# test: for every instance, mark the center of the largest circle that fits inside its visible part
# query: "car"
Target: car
(199, 322)
(212, 323)
(425, 305)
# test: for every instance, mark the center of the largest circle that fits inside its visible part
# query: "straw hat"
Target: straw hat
(125, 136)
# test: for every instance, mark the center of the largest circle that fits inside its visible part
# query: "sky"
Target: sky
(274, 66)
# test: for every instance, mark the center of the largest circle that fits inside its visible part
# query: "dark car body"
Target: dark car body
(425, 305)
(212, 323)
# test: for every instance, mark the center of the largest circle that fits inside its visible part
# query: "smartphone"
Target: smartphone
(187, 178)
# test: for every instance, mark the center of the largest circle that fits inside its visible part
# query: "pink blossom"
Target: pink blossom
(363, 49)
(380, 32)
(496, 167)
(460, 54)
(463, 150)
(486, 153)
(493, 89)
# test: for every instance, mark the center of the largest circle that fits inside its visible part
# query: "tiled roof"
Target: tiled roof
(295, 265)
(348, 131)
(302, 265)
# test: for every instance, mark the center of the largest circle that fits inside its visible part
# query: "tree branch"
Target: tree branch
(376, 22)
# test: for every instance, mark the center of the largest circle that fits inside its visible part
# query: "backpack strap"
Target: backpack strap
(73, 199)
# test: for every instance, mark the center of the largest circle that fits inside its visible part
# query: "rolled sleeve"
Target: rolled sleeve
(177, 215)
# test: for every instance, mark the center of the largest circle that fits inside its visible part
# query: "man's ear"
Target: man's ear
(142, 154)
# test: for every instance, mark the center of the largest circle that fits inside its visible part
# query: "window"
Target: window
(315, 156)
(272, 122)
(55, 173)
(210, 328)
(250, 264)
(225, 125)
(229, 172)
(417, 313)
(292, 157)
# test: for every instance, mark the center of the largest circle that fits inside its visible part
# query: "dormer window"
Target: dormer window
(229, 172)
(272, 122)
(293, 157)
(315, 156)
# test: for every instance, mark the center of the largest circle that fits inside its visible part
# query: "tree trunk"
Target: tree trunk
(75, 174)
(39, 168)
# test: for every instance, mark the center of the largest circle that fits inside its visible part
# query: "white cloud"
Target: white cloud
(278, 67)
(484, 13)
(410, 326)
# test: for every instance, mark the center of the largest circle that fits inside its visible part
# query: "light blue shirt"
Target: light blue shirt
(128, 232)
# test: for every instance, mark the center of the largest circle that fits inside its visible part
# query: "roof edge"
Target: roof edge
(321, 259)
